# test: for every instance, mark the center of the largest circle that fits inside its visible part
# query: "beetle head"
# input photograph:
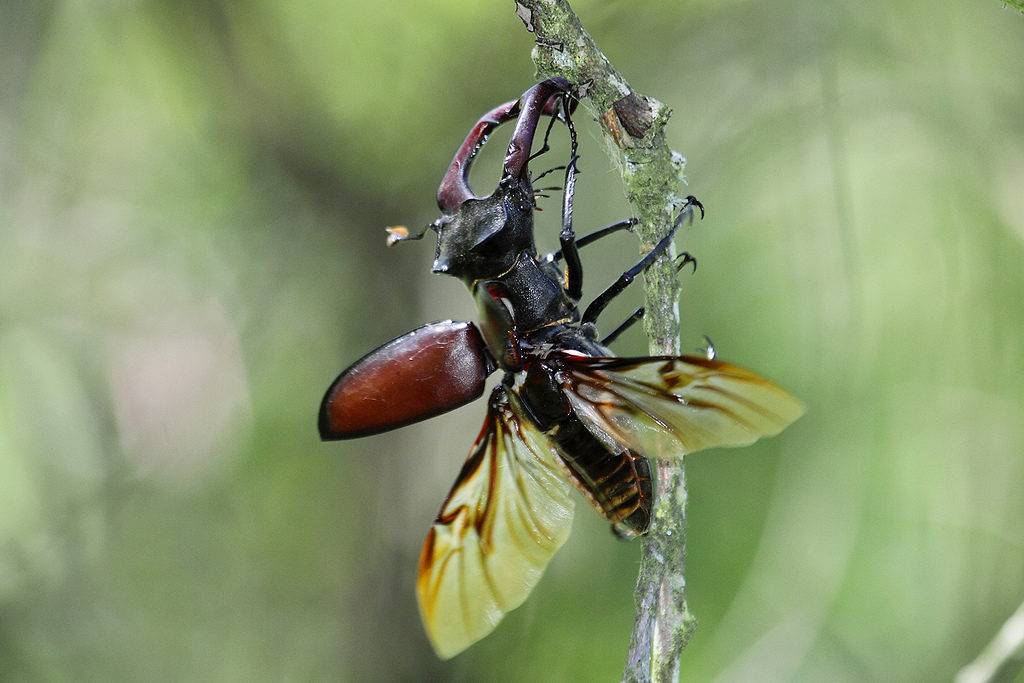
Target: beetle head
(480, 237)
(485, 235)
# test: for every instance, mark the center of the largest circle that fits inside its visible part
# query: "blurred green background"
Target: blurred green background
(192, 198)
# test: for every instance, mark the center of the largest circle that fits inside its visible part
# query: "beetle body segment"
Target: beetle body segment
(615, 479)
(429, 371)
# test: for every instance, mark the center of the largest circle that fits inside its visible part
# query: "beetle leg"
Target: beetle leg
(625, 325)
(590, 238)
(567, 238)
(638, 314)
(601, 302)
(544, 148)
(550, 170)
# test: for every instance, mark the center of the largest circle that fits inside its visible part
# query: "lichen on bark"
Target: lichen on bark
(652, 176)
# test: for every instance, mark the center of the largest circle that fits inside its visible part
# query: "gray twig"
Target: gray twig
(634, 127)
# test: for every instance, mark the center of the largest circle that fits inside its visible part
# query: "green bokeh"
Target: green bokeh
(192, 198)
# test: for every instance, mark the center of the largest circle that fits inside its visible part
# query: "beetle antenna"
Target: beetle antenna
(400, 233)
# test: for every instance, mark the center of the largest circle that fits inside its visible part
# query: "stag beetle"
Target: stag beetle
(567, 412)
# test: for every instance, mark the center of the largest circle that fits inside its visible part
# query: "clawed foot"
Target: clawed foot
(693, 201)
(708, 350)
(683, 259)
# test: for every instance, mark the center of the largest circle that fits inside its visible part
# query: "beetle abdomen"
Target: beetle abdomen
(617, 483)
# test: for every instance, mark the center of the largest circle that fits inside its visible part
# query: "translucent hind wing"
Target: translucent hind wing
(508, 513)
(669, 406)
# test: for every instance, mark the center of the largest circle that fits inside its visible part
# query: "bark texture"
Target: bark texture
(634, 127)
